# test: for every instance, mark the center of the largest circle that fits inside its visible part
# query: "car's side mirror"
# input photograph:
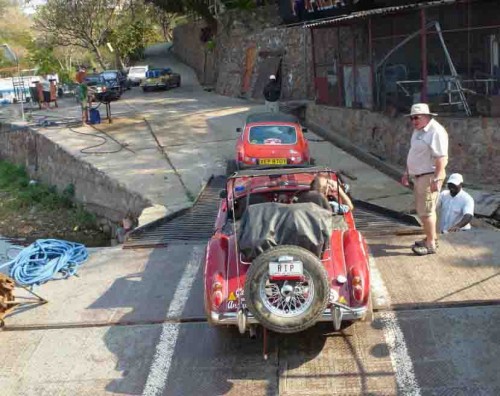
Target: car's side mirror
(223, 194)
(305, 130)
(347, 188)
(239, 130)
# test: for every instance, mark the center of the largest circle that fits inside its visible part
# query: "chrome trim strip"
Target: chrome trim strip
(229, 318)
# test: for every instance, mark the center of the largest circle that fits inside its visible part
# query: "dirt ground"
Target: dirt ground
(34, 223)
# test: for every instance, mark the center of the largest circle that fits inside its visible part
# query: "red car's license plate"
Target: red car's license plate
(286, 268)
(272, 161)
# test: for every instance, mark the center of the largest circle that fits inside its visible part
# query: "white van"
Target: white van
(136, 74)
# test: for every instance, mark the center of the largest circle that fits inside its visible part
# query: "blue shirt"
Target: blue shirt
(339, 208)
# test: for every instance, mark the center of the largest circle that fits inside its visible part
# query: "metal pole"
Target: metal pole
(456, 78)
(354, 68)
(423, 56)
(370, 58)
(23, 93)
(313, 53)
(313, 58)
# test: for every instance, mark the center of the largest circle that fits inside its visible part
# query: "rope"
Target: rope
(44, 259)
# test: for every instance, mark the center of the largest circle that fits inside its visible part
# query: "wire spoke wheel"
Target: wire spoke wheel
(287, 305)
(287, 298)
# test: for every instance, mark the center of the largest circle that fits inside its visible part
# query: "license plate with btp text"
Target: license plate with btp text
(272, 161)
(286, 268)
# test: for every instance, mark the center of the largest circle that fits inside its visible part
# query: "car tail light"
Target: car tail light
(217, 291)
(357, 288)
(250, 159)
(217, 299)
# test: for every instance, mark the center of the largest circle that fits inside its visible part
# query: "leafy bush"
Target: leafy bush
(14, 179)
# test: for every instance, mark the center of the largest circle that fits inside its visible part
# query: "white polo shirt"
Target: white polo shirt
(452, 209)
(426, 145)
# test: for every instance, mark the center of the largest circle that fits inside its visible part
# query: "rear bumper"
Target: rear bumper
(229, 318)
(244, 165)
(135, 80)
(154, 85)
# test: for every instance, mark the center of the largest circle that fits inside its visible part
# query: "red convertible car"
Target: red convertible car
(280, 262)
(270, 139)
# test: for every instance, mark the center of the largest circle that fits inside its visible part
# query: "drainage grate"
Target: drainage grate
(196, 224)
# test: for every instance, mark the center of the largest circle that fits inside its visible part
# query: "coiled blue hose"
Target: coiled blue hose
(44, 259)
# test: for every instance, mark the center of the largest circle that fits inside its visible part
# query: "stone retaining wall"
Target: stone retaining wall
(191, 50)
(296, 66)
(474, 142)
(48, 162)
(237, 32)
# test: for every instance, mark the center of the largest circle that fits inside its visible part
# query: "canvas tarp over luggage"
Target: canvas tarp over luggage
(301, 224)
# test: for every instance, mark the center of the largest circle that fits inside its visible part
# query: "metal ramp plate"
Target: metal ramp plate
(195, 224)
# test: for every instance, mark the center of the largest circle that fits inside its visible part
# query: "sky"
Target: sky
(30, 8)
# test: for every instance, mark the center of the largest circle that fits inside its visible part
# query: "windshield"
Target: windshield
(137, 70)
(109, 75)
(272, 134)
(95, 79)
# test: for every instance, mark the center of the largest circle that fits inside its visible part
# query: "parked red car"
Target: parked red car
(282, 264)
(270, 139)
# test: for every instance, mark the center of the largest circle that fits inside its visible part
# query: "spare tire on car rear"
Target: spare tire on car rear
(284, 305)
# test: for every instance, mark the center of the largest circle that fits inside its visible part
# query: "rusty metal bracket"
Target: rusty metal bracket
(8, 301)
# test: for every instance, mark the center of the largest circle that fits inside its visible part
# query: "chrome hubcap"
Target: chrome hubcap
(287, 298)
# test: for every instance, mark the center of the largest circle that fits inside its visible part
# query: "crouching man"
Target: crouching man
(455, 206)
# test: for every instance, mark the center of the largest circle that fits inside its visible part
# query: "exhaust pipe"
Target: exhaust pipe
(241, 318)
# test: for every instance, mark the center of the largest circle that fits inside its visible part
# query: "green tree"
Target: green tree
(43, 57)
(80, 23)
(185, 7)
(46, 58)
(134, 30)
(167, 21)
(15, 30)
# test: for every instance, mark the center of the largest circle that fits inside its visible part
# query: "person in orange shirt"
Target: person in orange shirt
(80, 75)
(82, 92)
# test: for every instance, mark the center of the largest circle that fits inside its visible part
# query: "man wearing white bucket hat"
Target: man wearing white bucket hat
(426, 166)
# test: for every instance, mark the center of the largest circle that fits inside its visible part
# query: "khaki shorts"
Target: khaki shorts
(425, 200)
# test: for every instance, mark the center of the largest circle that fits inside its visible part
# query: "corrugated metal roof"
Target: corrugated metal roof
(377, 11)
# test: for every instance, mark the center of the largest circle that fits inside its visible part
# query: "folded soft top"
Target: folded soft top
(301, 224)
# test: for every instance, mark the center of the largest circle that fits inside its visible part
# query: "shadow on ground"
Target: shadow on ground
(216, 361)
